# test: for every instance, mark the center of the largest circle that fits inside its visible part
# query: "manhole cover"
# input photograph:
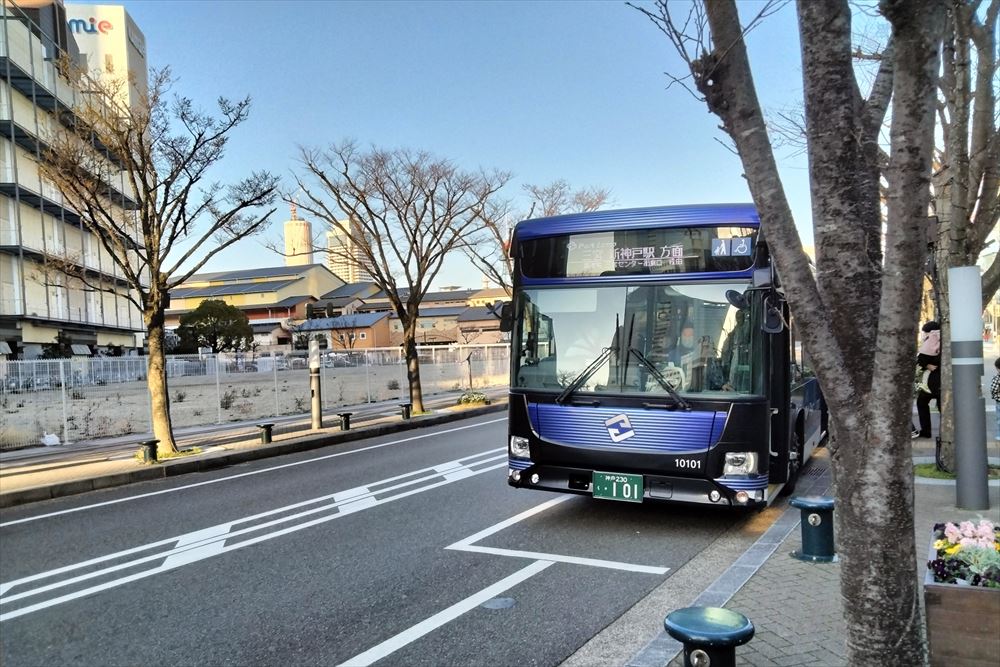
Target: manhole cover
(499, 603)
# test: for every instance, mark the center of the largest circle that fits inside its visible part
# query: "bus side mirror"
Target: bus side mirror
(506, 317)
(737, 299)
(773, 321)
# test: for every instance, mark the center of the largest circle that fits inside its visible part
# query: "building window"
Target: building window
(363, 335)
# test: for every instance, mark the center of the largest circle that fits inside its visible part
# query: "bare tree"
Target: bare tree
(967, 184)
(966, 180)
(403, 212)
(162, 148)
(490, 254)
(859, 312)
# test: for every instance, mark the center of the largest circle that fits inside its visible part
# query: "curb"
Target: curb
(172, 468)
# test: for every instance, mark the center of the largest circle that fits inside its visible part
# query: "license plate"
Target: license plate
(617, 486)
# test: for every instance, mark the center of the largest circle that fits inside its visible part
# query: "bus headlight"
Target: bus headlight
(519, 447)
(740, 463)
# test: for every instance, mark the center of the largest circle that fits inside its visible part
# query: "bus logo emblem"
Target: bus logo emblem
(619, 428)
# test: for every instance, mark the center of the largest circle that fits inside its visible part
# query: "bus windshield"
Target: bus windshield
(690, 333)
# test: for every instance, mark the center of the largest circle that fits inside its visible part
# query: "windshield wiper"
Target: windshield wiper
(658, 376)
(584, 375)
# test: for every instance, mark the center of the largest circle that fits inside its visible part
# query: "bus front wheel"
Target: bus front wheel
(794, 466)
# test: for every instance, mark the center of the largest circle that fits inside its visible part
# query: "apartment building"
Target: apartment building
(344, 257)
(36, 226)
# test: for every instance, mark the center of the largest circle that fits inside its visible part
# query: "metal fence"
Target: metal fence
(90, 398)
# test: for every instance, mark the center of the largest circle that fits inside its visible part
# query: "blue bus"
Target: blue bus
(654, 358)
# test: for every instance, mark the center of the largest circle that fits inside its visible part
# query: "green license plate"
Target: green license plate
(617, 486)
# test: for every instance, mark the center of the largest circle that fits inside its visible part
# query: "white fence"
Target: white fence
(89, 398)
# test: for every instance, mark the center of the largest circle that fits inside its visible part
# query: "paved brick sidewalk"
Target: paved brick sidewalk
(784, 592)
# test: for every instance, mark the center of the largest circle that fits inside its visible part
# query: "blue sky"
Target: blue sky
(545, 90)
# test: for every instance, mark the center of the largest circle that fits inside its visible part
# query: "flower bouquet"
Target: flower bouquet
(966, 554)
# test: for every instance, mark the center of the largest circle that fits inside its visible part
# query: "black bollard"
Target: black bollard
(265, 433)
(710, 634)
(404, 410)
(345, 420)
(149, 451)
(817, 529)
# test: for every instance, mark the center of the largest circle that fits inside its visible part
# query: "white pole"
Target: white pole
(62, 383)
(218, 389)
(274, 371)
(965, 294)
(368, 380)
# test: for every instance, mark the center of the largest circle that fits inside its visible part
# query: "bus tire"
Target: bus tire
(794, 468)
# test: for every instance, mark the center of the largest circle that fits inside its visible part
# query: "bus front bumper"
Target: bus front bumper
(655, 487)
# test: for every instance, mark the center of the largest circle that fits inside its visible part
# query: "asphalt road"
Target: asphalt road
(403, 550)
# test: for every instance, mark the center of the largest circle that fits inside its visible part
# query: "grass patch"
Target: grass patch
(930, 470)
(165, 456)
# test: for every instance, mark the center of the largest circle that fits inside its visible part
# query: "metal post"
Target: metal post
(149, 398)
(315, 387)
(274, 372)
(368, 380)
(218, 389)
(402, 374)
(965, 296)
(62, 384)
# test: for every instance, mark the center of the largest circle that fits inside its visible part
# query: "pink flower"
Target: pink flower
(952, 532)
(966, 542)
(985, 530)
(967, 528)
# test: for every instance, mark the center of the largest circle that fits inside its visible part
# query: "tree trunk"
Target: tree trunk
(868, 405)
(157, 372)
(413, 364)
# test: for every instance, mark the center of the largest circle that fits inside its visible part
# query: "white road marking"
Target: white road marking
(245, 474)
(414, 633)
(468, 544)
(573, 560)
(211, 541)
(206, 543)
(497, 527)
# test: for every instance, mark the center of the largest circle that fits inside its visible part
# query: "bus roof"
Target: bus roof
(693, 215)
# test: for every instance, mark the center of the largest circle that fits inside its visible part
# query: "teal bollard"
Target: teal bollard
(149, 451)
(710, 634)
(265, 433)
(345, 420)
(817, 529)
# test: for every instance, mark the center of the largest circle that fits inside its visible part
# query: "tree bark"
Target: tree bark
(413, 363)
(844, 183)
(157, 370)
(868, 393)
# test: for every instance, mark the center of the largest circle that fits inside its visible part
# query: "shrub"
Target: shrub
(227, 398)
(77, 395)
(472, 397)
(393, 385)
(179, 396)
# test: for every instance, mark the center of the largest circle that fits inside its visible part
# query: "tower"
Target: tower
(298, 240)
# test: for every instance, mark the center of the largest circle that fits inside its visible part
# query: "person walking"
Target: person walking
(929, 360)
